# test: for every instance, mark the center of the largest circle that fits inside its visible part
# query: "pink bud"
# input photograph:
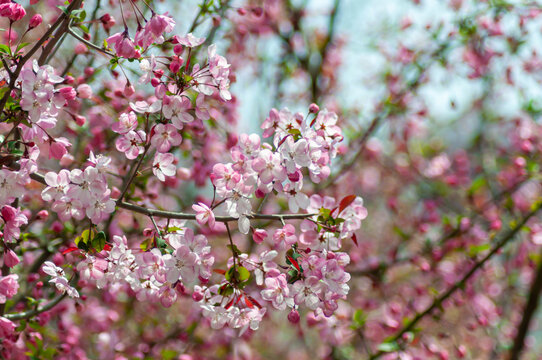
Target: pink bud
(115, 192)
(259, 235)
(294, 177)
(80, 120)
(496, 224)
(68, 93)
(178, 49)
(293, 316)
(155, 82)
(241, 11)
(80, 49)
(129, 90)
(35, 21)
(89, 71)
(42, 215)
(69, 79)
(313, 108)
(67, 160)
(183, 173)
(84, 91)
(197, 296)
(10, 258)
(57, 227)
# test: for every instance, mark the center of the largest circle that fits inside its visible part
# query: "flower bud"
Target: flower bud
(84, 91)
(68, 93)
(35, 21)
(293, 316)
(129, 90)
(313, 108)
(80, 49)
(197, 296)
(10, 258)
(42, 215)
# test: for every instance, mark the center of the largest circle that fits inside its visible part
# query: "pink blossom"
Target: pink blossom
(10, 258)
(189, 40)
(7, 328)
(12, 11)
(285, 236)
(165, 136)
(259, 235)
(9, 286)
(204, 214)
(127, 122)
(124, 46)
(277, 292)
(163, 166)
(13, 219)
(131, 143)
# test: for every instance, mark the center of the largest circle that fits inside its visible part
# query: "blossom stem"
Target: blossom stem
(88, 43)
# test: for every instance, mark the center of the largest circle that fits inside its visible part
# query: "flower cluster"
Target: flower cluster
(59, 279)
(158, 274)
(79, 193)
(259, 168)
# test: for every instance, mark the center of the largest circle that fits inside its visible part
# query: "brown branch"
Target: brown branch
(180, 215)
(528, 313)
(36, 311)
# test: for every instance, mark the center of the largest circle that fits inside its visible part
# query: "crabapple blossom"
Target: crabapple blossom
(163, 166)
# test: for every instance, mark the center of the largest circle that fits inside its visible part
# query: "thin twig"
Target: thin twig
(528, 313)
(38, 310)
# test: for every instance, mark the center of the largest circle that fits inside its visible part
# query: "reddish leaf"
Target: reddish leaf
(220, 271)
(229, 304)
(347, 200)
(283, 140)
(355, 239)
(254, 302)
(294, 263)
(248, 303)
(69, 250)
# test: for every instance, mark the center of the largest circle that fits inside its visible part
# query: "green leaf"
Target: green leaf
(98, 242)
(237, 274)
(234, 249)
(244, 274)
(477, 249)
(83, 241)
(359, 318)
(5, 49)
(388, 346)
(22, 45)
(83, 28)
(477, 184)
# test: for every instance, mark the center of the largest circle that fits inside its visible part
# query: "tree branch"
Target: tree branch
(180, 215)
(528, 313)
(36, 311)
